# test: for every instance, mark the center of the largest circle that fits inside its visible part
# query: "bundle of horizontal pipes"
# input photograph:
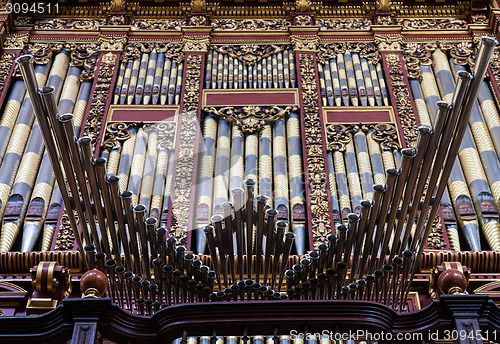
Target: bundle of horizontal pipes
(376, 256)
(231, 237)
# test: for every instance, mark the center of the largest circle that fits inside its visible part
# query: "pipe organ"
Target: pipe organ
(237, 172)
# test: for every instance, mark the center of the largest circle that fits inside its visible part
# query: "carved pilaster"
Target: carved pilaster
(317, 187)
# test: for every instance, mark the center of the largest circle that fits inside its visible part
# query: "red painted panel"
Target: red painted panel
(128, 115)
(238, 98)
(358, 117)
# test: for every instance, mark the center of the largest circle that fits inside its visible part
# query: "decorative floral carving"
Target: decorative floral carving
(344, 24)
(158, 24)
(195, 44)
(388, 42)
(115, 133)
(20, 20)
(435, 240)
(198, 21)
(6, 62)
(116, 20)
(303, 20)
(185, 159)
(71, 24)
(480, 19)
(83, 55)
(42, 52)
(495, 66)
(100, 97)
(338, 135)
(251, 118)
(250, 24)
(386, 134)
(384, 20)
(112, 42)
(250, 54)
(432, 24)
(365, 50)
(314, 142)
(65, 235)
(303, 5)
(135, 50)
(166, 133)
(402, 97)
(305, 43)
(16, 41)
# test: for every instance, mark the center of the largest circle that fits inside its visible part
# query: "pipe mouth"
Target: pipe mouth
(424, 129)
(342, 228)
(353, 217)
(444, 105)
(290, 236)
(408, 153)
(110, 262)
(392, 172)
(151, 221)
(119, 269)
(189, 256)
(271, 212)
(237, 191)
(24, 59)
(126, 194)
(387, 267)
(112, 179)
(341, 266)
(128, 274)
(211, 274)
(407, 254)
(208, 229)
(99, 256)
(331, 237)
(249, 182)
(378, 273)
(86, 140)
(46, 90)
(353, 286)
(378, 188)
(180, 249)
(99, 161)
(216, 218)
(323, 247)
(226, 205)
(157, 262)
(305, 262)
(167, 268)
(489, 41)
(66, 117)
(161, 231)
(397, 260)
(262, 199)
(139, 208)
(171, 240)
(361, 282)
(137, 279)
(289, 273)
(281, 224)
(464, 75)
(196, 263)
(370, 278)
(89, 248)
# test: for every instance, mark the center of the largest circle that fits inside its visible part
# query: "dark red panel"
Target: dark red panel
(358, 117)
(131, 115)
(239, 98)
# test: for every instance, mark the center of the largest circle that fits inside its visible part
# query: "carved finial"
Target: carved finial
(384, 5)
(117, 5)
(198, 6)
(303, 5)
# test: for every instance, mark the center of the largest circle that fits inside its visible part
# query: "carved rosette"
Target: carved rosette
(6, 62)
(250, 119)
(248, 54)
(365, 50)
(402, 98)
(100, 97)
(314, 142)
(185, 158)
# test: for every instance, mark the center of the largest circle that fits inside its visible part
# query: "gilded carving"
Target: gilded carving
(42, 52)
(69, 24)
(83, 55)
(157, 24)
(118, 5)
(436, 238)
(250, 24)
(21, 20)
(116, 20)
(112, 42)
(384, 5)
(314, 142)
(185, 159)
(388, 42)
(344, 24)
(198, 21)
(402, 98)
(303, 20)
(172, 50)
(115, 133)
(16, 41)
(6, 62)
(166, 133)
(303, 5)
(251, 118)
(65, 235)
(365, 50)
(338, 135)
(495, 66)
(305, 43)
(432, 24)
(100, 97)
(480, 19)
(385, 134)
(195, 44)
(250, 54)
(198, 6)
(384, 20)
